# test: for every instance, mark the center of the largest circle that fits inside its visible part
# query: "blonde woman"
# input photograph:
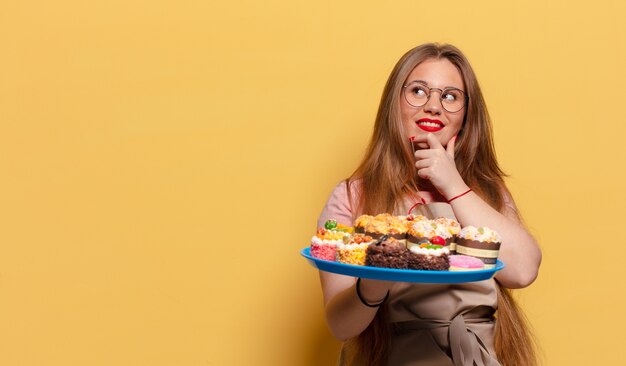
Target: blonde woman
(433, 98)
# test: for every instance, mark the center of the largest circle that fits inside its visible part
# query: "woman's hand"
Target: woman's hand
(437, 165)
(519, 250)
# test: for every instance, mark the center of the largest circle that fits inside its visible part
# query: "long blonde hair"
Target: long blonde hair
(387, 175)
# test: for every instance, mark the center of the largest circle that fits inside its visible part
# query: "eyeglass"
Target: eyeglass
(452, 99)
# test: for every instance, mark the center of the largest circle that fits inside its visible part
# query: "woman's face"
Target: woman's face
(432, 117)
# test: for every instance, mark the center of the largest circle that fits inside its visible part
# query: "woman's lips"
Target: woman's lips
(429, 125)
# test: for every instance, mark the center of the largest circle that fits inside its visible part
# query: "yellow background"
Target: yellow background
(162, 163)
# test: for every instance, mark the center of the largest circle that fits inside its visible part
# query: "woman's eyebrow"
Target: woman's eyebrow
(418, 81)
(426, 83)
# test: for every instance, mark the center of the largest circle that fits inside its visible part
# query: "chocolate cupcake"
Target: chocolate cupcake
(430, 257)
(482, 243)
(390, 253)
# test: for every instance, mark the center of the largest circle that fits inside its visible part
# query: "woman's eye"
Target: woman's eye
(449, 97)
(419, 92)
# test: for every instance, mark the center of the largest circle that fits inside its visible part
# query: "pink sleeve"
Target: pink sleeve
(338, 206)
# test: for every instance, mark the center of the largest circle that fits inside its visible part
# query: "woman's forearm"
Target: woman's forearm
(346, 315)
(519, 250)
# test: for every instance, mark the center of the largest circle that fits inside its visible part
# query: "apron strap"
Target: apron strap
(466, 346)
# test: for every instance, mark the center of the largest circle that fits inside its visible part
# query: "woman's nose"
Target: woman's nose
(433, 105)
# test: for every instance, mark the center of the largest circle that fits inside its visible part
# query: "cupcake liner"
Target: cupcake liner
(486, 252)
(400, 237)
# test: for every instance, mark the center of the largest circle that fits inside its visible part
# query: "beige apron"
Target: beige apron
(442, 324)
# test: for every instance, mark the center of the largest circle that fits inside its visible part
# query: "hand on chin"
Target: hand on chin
(420, 143)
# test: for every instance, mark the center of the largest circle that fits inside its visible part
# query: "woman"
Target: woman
(432, 98)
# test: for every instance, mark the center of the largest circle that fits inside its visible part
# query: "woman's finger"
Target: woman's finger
(423, 163)
(424, 154)
(450, 146)
(433, 142)
(424, 173)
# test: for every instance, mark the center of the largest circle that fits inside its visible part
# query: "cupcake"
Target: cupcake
(324, 243)
(361, 222)
(411, 219)
(482, 243)
(429, 232)
(452, 230)
(390, 253)
(386, 224)
(334, 226)
(353, 249)
(430, 257)
(465, 263)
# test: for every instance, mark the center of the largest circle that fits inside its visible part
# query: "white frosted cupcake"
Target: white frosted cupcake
(429, 232)
(482, 243)
(451, 230)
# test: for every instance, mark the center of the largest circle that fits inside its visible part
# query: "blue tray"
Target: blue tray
(400, 275)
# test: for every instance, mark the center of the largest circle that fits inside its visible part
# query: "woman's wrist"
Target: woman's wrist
(454, 190)
(372, 292)
(459, 195)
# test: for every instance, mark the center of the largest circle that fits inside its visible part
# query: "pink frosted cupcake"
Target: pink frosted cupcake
(324, 243)
(465, 263)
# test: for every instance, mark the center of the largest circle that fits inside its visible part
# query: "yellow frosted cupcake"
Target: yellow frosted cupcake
(386, 224)
(353, 249)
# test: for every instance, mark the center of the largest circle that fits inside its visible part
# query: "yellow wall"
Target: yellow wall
(162, 162)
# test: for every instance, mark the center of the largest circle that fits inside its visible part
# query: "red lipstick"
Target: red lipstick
(429, 125)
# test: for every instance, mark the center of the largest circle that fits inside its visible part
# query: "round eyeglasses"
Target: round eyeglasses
(452, 99)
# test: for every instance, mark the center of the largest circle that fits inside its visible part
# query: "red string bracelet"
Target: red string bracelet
(460, 195)
(423, 202)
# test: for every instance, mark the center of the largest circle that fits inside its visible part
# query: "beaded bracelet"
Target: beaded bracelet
(460, 195)
(358, 293)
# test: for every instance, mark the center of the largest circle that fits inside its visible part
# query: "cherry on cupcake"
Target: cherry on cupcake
(438, 240)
